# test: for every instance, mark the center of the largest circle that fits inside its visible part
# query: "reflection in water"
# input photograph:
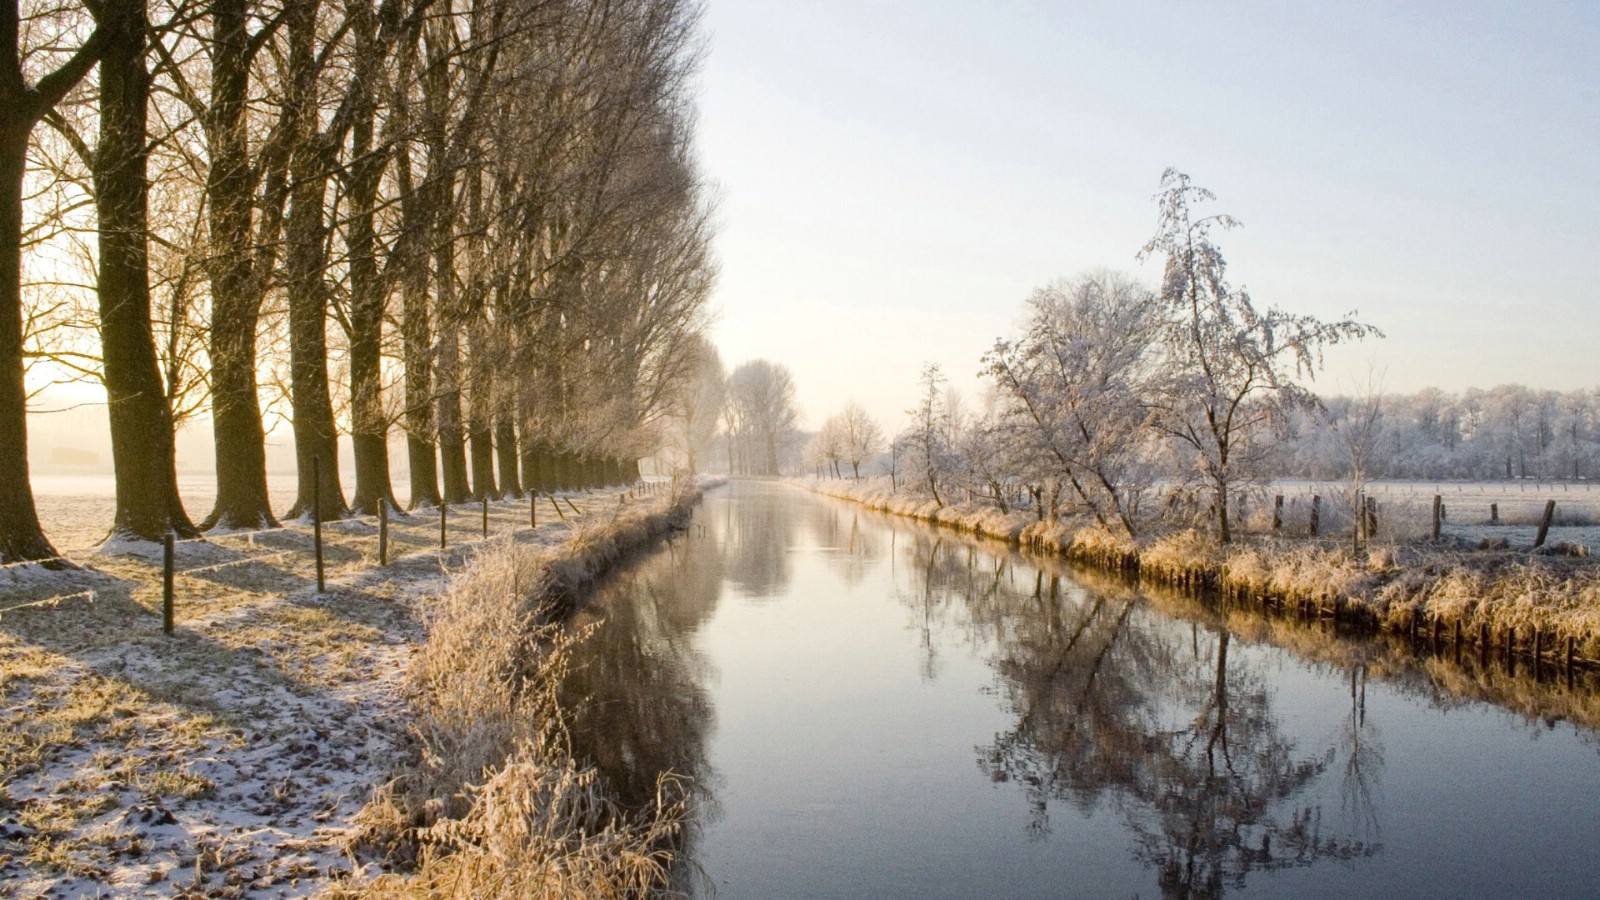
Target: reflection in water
(635, 698)
(1152, 716)
(853, 548)
(1169, 749)
(757, 533)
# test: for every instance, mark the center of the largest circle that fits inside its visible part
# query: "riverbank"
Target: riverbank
(1518, 604)
(235, 757)
(490, 801)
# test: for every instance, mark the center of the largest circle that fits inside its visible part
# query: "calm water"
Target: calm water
(869, 708)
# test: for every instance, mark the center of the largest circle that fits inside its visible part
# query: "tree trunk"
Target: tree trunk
(532, 473)
(1224, 527)
(452, 436)
(481, 435)
(142, 444)
(369, 426)
(305, 259)
(315, 434)
(21, 538)
(447, 371)
(529, 446)
(505, 444)
(235, 295)
(414, 333)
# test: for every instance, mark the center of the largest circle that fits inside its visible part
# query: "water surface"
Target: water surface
(871, 708)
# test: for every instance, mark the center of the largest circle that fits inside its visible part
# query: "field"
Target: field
(76, 509)
(1405, 509)
(232, 756)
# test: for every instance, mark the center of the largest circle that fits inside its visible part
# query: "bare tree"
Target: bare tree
(761, 393)
(1073, 389)
(1230, 368)
(142, 446)
(926, 450)
(243, 232)
(862, 436)
(700, 405)
(827, 446)
(22, 105)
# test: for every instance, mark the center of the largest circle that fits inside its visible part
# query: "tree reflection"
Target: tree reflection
(852, 550)
(757, 530)
(946, 578)
(1116, 706)
(1220, 790)
(1363, 759)
(635, 697)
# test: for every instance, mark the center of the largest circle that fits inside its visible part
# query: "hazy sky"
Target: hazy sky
(895, 178)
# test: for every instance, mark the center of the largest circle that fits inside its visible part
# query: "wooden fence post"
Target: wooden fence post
(166, 582)
(1544, 523)
(1358, 526)
(485, 516)
(1438, 502)
(1316, 513)
(533, 509)
(383, 532)
(1277, 514)
(444, 509)
(1494, 514)
(316, 518)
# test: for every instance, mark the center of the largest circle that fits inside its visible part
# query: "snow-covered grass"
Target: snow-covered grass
(1391, 582)
(491, 801)
(978, 518)
(1405, 509)
(234, 755)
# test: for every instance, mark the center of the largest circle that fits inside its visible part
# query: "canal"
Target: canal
(867, 707)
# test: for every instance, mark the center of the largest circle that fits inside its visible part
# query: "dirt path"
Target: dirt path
(228, 758)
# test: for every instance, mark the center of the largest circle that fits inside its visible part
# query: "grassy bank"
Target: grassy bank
(238, 756)
(491, 801)
(1511, 603)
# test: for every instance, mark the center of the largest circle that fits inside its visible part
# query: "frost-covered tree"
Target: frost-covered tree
(924, 450)
(762, 415)
(1360, 428)
(990, 458)
(699, 406)
(861, 435)
(826, 447)
(1229, 368)
(1073, 390)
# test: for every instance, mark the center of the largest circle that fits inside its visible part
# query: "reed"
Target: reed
(492, 801)
(1531, 602)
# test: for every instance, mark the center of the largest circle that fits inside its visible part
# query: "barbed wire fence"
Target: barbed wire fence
(383, 521)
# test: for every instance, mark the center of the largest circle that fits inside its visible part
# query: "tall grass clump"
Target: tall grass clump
(493, 802)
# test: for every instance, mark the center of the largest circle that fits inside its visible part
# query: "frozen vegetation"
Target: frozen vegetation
(284, 741)
(1150, 431)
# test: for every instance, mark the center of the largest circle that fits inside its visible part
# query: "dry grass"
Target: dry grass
(1391, 586)
(493, 803)
(231, 756)
(974, 517)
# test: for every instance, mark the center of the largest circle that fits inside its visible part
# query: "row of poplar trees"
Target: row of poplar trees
(476, 220)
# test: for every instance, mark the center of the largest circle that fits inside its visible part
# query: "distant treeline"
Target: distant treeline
(1508, 431)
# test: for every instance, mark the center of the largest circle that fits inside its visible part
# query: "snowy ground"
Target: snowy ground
(75, 509)
(228, 758)
(1406, 508)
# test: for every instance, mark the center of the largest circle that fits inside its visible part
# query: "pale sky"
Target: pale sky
(895, 178)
